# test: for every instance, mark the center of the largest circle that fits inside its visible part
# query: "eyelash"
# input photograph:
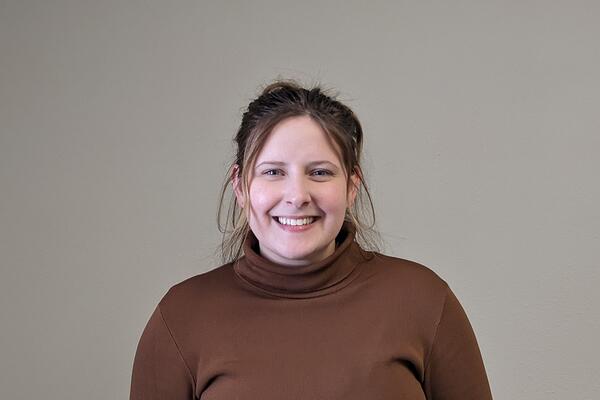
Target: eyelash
(269, 170)
(327, 173)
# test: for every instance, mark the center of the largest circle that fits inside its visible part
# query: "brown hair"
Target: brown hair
(280, 100)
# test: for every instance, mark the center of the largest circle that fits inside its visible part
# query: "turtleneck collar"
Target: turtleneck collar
(311, 280)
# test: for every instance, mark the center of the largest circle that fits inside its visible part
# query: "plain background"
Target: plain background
(117, 118)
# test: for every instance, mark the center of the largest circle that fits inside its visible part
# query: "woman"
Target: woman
(307, 312)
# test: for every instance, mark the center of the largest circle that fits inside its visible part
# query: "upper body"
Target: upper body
(356, 325)
(306, 312)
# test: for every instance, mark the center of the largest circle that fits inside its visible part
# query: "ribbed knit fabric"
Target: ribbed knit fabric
(357, 325)
(318, 279)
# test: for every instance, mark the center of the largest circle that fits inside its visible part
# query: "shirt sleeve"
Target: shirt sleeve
(159, 370)
(455, 369)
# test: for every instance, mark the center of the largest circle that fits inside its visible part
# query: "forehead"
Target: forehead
(298, 139)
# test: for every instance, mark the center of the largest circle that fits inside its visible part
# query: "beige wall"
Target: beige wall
(116, 119)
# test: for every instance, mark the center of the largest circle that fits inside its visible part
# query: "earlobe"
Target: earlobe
(236, 183)
(355, 182)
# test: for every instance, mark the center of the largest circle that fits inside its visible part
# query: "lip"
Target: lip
(295, 216)
(296, 228)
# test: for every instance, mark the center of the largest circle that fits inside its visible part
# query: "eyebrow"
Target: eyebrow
(310, 164)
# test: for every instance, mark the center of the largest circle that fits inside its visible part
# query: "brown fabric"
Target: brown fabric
(357, 325)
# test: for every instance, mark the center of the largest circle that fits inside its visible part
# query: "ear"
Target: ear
(354, 186)
(237, 185)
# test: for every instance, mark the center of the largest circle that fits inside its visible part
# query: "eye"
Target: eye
(322, 172)
(271, 172)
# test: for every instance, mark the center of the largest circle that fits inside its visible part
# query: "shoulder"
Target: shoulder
(199, 291)
(404, 270)
(410, 280)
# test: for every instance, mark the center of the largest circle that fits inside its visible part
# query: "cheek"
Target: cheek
(263, 197)
(333, 198)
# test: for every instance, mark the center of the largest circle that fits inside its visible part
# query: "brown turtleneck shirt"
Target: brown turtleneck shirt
(357, 325)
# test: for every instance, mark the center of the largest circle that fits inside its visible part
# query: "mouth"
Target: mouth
(304, 221)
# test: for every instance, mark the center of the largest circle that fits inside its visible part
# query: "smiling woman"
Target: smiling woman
(281, 204)
(305, 307)
(287, 133)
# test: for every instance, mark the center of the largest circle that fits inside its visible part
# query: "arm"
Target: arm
(455, 369)
(159, 370)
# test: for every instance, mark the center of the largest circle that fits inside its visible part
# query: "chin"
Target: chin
(297, 254)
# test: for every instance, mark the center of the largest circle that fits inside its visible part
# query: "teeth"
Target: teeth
(301, 221)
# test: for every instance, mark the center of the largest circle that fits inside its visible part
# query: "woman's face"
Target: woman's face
(297, 176)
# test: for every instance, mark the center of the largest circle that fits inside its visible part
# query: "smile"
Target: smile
(295, 221)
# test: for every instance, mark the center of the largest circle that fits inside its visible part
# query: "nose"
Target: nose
(297, 192)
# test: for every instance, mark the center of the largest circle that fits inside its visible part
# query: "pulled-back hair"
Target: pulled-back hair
(285, 99)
